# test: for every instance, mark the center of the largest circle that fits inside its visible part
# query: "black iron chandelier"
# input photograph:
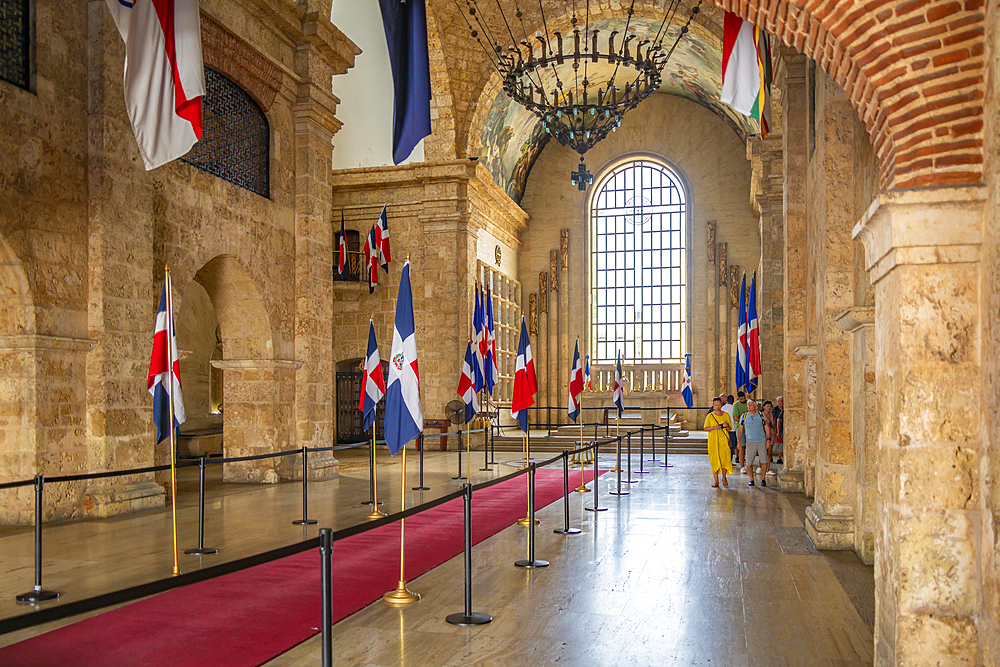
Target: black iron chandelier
(563, 78)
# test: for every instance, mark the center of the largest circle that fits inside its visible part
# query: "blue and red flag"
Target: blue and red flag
(371, 259)
(575, 384)
(686, 382)
(403, 417)
(382, 240)
(478, 343)
(753, 338)
(466, 386)
(342, 246)
(372, 384)
(492, 371)
(405, 26)
(525, 380)
(586, 373)
(164, 357)
(742, 370)
(618, 395)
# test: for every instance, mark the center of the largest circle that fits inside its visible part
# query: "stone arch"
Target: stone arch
(239, 305)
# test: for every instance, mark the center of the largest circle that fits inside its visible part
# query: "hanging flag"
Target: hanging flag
(478, 344)
(586, 372)
(164, 75)
(492, 368)
(746, 70)
(525, 381)
(575, 384)
(466, 386)
(371, 260)
(686, 382)
(156, 381)
(742, 370)
(619, 385)
(405, 26)
(342, 246)
(382, 240)
(372, 383)
(403, 417)
(753, 336)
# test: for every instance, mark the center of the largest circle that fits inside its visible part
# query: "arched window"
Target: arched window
(235, 144)
(638, 264)
(16, 27)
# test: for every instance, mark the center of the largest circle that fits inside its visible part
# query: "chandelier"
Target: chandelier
(579, 84)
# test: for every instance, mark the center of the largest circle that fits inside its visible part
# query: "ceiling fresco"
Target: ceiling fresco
(512, 137)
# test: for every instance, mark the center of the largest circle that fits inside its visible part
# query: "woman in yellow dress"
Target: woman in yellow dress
(718, 424)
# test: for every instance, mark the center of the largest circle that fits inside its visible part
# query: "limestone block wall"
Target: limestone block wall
(711, 161)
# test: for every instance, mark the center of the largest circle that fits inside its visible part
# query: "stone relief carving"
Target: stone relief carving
(533, 314)
(734, 286)
(563, 248)
(723, 261)
(554, 270)
(543, 292)
(711, 241)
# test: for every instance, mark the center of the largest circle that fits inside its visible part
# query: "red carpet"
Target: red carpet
(249, 617)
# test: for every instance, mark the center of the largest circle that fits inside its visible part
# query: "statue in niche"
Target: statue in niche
(533, 314)
(543, 292)
(711, 241)
(734, 286)
(554, 270)
(563, 248)
(723, 261)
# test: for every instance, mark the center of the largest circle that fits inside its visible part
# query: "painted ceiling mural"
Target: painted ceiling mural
(512, 137)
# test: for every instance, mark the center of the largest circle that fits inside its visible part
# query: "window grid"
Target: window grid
(506, 293)
(638, 265)
(15, 42)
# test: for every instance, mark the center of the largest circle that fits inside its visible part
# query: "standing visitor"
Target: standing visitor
(740, 409)
(779, 429)
(718, 424)
(753, 428)
(727, 407)
(769, 420)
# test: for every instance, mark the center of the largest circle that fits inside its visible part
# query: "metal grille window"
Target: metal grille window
(638, 265)
(15, 42)
(235, 140)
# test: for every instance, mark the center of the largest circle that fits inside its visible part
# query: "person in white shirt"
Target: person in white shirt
(727, 407)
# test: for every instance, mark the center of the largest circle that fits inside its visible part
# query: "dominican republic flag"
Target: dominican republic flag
(586, 373)
(525, 381)
(382, 240)
(746, 70)
(492, 369)
(467, 388)
(619, 385)
(373, 384)
(403, 417)
(753, 338)
(405, 26)
(575, 384)
(371, 260)
(342, 246)
(478, 343)
(742, 369)
(164, 75)
(165, 356)
(686, 382)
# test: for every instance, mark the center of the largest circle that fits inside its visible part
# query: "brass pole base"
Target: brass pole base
(401, 595)
(582, 489)
(526, 521)
(375, 514)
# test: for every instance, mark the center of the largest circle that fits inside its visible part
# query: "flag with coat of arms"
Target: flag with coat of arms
(403, 416)
(165, 356)
(372, 383)
(575, 384)
(381, 240)
(742, 370)
(686, 382)
(492, 370)
(753, 338)
(618, 396)
(525, 380)
(466, 386)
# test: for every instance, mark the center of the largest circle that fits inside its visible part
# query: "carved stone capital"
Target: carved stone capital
(806, 351)
(855, 318)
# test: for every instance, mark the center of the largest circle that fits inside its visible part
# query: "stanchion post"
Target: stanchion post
(618, 470)
(305, 520)
(201, 550)
(38, 594)
(666, 442)
(531, 561)
(469, 617)
(652, 443)
(460, 475)
(628, 463)
(597, 491)
(642, 449)
(566, 530)
(420, 443)
(486, 448)
(326, 595)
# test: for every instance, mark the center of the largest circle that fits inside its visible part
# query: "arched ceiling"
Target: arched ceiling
(512, 137)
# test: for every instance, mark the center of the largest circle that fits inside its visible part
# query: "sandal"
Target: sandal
(725, 483)
(715, 486)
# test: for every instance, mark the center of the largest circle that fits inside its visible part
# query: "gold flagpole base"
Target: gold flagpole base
(526, 521)
(375, 514)
(177, 571)
(401, 595)
(582, 489)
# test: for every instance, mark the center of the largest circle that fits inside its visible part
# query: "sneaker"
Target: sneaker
(743, 470)
(751, 483)
(763, 482)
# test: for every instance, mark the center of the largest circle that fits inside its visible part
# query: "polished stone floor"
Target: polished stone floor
(675, 573)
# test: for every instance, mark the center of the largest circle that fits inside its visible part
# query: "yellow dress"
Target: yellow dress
(718, 443)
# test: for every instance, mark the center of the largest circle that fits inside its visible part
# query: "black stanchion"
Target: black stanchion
(597, 491)
(460, 475)
(531, 561)
(652, 443)
(305, 520)
(628, 478)
(469, 617)
(201, 550)
(326, 595)
(371, 477)
(420, 437)
(38, 594)
(618, 469)
(566, 530)
(486, 447)
(642, 450)
(493, 445)
(666, 442)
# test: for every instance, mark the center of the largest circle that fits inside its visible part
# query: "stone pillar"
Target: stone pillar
(722, 315)
(562, 399)
(543, 345)
(860, 322)
(792, 68)
(552, 415)
(771, 275)
(922, 251)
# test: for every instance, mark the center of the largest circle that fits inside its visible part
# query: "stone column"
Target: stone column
(543, 344)
(554, 313)
(564, 334)
(771, 276)
(722, 315)
(860, 322)
(792, 68)
(922, 251)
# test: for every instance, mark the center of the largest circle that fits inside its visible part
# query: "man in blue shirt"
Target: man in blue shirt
(754, 428)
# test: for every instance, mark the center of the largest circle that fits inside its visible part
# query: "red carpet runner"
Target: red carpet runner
(249, 617)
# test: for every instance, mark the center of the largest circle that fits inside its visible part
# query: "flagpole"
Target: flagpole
(376, 513)
(170, 400)
(583, 487)
(526, 519)
(402, 595)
